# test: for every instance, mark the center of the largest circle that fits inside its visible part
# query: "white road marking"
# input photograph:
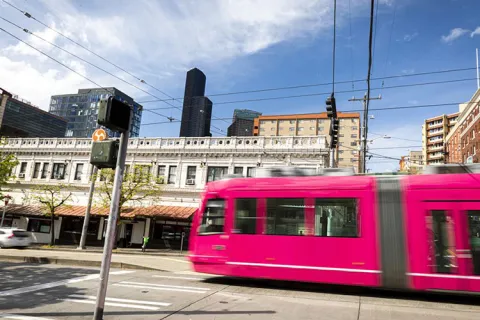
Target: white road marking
(153, 303)
(56, 284)
(165, 285)
(176, 260)
(157, 288)
(113, 304)
(20, 317)
(180, 278)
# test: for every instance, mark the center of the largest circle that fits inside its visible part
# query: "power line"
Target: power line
(356, 110)
(334, 43)
(81, 59)
(325, 93)
(329, 83)
(378, 134)
(390, 38)
(64, 65)
(28, 15)
(369, 73)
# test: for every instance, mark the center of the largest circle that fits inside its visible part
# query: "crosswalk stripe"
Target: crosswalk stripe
(20, 317)
(153, 303)
(113, 304)
(164, 285)
(180, 278)
(157, 288)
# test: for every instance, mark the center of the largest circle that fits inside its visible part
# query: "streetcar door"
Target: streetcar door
(212, 236)
(470, 252)
(444, 239)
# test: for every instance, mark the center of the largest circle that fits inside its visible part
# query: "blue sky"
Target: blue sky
(248, 45)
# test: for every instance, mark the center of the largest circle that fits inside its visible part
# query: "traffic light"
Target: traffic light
(331, 107)
(334, 126)
(104, 154)
(114, 114)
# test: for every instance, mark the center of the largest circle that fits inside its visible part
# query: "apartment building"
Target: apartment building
(463, 140)
(413, 163)
(434, 134)
(347, 154)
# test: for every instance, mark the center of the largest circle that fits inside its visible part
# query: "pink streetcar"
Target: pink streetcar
(417, 232)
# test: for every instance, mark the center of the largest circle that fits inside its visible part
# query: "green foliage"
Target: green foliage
(8, 162)
(50, 197)
(138, 184)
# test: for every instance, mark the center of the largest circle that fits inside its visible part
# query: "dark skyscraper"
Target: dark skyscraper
(242, 124)
(197, 109)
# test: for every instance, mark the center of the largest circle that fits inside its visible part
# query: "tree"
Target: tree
(50, 198)
(8, 162)
(139, 184)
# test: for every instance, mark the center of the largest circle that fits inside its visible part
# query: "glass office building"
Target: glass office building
(20, 119)
(81, 110)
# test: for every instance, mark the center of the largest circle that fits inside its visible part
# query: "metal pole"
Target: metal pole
(478, 73)
(181, 244)
(365, 117)
(83, 238)
(111, 227)
(3, 215)
(332, 157)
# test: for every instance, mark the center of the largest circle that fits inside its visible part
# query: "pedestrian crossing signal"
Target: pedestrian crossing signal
(114, 115)
(104, 154)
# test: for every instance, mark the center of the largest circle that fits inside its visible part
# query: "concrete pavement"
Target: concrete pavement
(93, 259)
(30, 292)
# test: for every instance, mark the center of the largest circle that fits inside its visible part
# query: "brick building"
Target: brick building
(347, 155)
(463, 141)
(434, 134)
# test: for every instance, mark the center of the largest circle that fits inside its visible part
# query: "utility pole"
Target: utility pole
(83, 239)
(119, 120)
(364, 129)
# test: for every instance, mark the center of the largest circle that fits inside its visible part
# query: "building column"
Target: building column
(146, 232)
(100, 229)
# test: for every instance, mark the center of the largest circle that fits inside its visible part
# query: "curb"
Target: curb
(72, 262)
(118, 252)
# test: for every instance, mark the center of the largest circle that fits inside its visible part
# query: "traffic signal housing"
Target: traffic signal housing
(104, 154)
(331, 107)
(114, 114)
(334, 127)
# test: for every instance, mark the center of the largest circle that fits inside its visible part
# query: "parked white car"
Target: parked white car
(13, 237)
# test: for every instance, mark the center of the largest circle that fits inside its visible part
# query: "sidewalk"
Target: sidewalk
(149, 252)
(94, 259)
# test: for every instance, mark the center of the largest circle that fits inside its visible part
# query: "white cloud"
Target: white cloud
(410, 37)
(454, 34)
(475, 32)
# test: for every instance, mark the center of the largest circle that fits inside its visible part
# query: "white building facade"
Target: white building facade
(183, 166)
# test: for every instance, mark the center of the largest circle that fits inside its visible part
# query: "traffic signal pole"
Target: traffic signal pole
(120, 120)
(93, 178)
(111, 227)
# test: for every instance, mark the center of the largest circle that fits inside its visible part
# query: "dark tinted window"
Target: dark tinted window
(20, 234)
(213, 219)
(246, 216)
(336, 218)
(286, 217)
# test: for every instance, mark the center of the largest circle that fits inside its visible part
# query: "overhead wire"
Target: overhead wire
(325, 93)
(28, 15)
(329, 83)
(72, 70)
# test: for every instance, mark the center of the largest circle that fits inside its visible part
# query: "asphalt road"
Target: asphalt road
(29, 292)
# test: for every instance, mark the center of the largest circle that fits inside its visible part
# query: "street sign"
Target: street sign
(99, 135)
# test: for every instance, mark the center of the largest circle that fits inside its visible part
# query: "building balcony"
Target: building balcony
(433, 126)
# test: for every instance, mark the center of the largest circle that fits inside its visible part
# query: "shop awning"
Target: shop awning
(165, 212)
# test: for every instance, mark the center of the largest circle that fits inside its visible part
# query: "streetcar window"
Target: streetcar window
(213, 219)
(246, 216)
(336, 218)
(286, 217)
(474, 226)
(440, 226)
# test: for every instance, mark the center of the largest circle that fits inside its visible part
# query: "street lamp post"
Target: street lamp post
(6, 199)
